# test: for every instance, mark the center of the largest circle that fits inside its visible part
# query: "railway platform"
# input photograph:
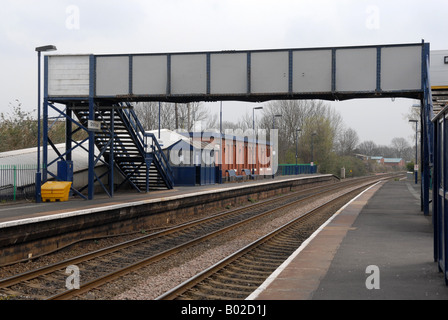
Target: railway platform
(29, 212)
(378, 247)
(28, 230)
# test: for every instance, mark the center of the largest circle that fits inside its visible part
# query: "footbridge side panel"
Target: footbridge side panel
(258, 75)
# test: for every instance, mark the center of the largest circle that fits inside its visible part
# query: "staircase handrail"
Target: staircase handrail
(155, 147)
(136, 125)
(158, 153)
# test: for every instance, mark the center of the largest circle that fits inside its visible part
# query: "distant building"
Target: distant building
(388, 162)
(377, 159)
(393, 162)
(206, 157)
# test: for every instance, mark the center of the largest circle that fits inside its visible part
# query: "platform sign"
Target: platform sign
(93, 125)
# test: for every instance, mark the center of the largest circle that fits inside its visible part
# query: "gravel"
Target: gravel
(152, 285)
(152, 281)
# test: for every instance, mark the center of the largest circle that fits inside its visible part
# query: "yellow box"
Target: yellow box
(56, 190)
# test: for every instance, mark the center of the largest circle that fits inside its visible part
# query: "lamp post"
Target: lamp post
(220, 142)
(273, 128)
(253, 117)
(297, 144)
(159, 120)
(312, 147)
(416, 158)
(273, 119)
(253, 127)
(220, 118)
(38, 173)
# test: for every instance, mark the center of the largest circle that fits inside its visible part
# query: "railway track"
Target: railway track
(238, 275)
(107, 264)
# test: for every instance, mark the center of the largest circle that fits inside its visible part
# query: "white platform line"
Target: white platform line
(144, 202)
(304, 244)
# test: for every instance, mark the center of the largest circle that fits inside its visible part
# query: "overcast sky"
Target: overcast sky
(201, 25)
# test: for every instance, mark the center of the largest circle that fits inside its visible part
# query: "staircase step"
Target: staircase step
(127, 149)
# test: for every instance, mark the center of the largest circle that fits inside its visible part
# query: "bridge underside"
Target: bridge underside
(256, 98)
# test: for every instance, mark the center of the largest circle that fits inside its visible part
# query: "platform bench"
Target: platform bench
(249, 174)
(233, 175)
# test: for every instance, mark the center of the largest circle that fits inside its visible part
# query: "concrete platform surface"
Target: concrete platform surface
(379, 247)
(23, 210)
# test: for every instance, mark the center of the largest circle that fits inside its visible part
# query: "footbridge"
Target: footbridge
(95, 93)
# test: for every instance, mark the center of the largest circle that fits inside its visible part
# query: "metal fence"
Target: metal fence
(293, 169)
(17, 181)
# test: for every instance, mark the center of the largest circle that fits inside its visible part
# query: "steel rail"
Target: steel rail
(116, 274)
(15, 279)
(58, 266)
(195, 280)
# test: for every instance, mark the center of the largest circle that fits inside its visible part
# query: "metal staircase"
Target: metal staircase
(136, 154)
(439, 98)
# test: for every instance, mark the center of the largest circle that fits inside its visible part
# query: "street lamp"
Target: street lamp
(297, 144)
(273, 128)
(253, 116)
(253, 127)
(38, 173)
(220, 119)
(416, 159)
(273, 119)
(312, 147)
(159, 120)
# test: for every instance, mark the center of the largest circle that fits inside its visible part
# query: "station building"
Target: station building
(211, 157)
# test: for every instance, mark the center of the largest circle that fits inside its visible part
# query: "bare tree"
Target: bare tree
(347, 140)
(229, 125)
(310, 116)
(173, 115)
(18, 130)
(367, 148)
(401, 147)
